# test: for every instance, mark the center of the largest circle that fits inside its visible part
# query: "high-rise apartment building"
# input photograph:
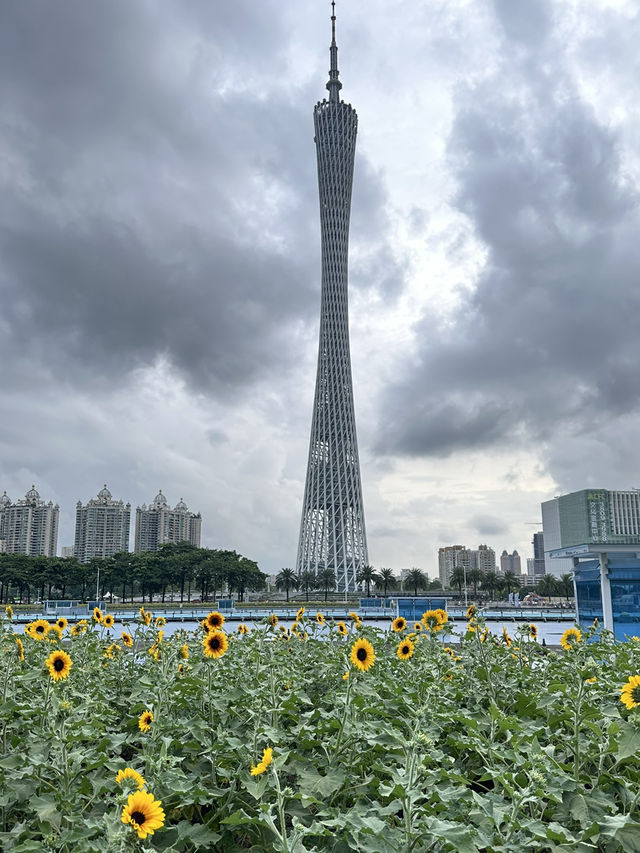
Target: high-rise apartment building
(29, 526)
(538, 554)
(102, 527)
(510, 563)
(332, 529)
(158, 523)
(483, 558)
(450, 558)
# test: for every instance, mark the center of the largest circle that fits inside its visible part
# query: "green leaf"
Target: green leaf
(628, 743)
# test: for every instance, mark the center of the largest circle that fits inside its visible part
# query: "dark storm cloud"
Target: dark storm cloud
(159, 190)
(548, 337)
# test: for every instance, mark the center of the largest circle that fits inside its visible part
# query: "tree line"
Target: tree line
(174, 568)
(487, 584)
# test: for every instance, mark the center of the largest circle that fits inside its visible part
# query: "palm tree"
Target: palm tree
(547, 585)
(415, 578)
(367, 575)
(458, 578)
(326, 580)
(286, 579)
(490, 583)
(566, 585)
(387, 578)
(511, 580)
(475, 576)
(306, 581)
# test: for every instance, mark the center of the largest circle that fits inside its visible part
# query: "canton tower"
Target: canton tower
(332, 531)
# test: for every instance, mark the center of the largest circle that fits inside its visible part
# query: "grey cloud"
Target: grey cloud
(548, 336)
(488, 525)
(152, 210)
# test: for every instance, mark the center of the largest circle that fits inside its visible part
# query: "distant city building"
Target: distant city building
(595, 533)
(483, 558)
(449, 558)
(102, 527)
(510, 563)
(590, 516)
(538, 554)
(66, 551)
(158, 523)
(29, 526)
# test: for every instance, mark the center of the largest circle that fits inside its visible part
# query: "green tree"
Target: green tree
(490, 582)
(415, 578)
(387, 579)
(367, 575)
(511, 582)
(566, 585)
(325, 580)
(547, 586)
(474, 576)
(286, 579)
(307, 581)
(458, 579)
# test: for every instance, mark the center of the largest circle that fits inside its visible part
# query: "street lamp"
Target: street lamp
(464, 569)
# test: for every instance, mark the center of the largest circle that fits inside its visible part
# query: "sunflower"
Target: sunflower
(59, 663)
(570, 638)
(630, 693)
(484, 635)
(448, 650)
(284, 629)
(108, 620)
(362, 654)
(53, 629)
(242, 629)
(215, 644)
(148, 617)
(399, 624)
(144, 721)
(97, 615)
(300, 613)
(160, 621)
(77, 630)
(405, 649)
(432, 620)
(591, 680)
(130, 773)
(273, 620)
(533, 632)
(143, 813)
(184, 652)
(9, 611)
(320, 619)
(127, 639)
(215, 619)
(61, 623)
(265, 761)
(444, 616)
(39, 629)
(342, 629)
(160, 637)
(20, 648)
(471, 627)
(471, 612)
(418, 626)
(204, 626)
(505, 636)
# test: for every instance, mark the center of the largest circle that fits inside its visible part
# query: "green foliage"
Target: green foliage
(496, 747)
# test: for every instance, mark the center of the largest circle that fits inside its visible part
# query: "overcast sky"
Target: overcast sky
(160, 260)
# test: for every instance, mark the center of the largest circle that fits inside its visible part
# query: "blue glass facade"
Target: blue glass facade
(621, 583)
(413, 608)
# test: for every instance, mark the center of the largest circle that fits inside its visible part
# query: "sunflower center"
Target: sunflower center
(58, 664)
(361, 654)
(40, 629)
(405, 650)
(214, 643)
(138, 817)
(635, 694)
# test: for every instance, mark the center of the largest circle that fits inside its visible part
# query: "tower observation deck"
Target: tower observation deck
(332, 531)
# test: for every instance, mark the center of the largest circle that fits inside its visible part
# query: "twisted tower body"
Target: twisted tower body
(332, 532)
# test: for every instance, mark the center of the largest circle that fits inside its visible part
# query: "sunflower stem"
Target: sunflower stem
(576, 731)
(344, 718)
(281, 818)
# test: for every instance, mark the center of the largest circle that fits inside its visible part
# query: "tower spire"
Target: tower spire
(334, 85)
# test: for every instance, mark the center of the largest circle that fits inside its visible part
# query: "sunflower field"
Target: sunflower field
(321, 736)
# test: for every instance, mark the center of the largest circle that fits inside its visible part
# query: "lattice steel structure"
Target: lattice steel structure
(332, 531)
